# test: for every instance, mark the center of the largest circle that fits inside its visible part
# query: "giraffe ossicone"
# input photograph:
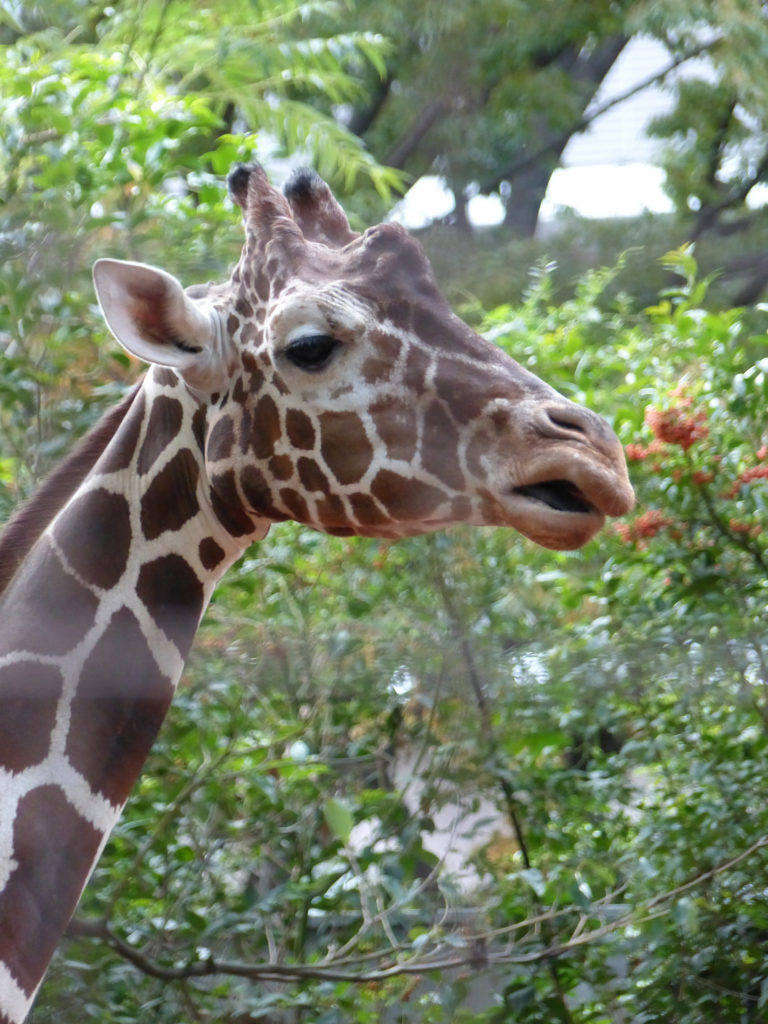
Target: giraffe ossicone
(328, 382)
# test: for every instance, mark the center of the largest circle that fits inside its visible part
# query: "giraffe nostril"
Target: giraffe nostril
(565, 420)
(566, 424)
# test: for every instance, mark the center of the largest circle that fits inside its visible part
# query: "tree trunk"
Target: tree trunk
(460, 216)
(527, 192)
(529, 176)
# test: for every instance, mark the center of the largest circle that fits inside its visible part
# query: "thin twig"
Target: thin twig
(438, 959)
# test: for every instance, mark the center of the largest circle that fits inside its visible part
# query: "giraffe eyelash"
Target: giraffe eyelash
(182, 345)
(312, 352)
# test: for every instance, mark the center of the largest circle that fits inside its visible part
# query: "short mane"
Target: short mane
(27, 524)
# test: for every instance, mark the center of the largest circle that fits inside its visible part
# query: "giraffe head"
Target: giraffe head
(341, 391)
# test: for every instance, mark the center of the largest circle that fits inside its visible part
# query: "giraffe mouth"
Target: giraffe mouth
(558, 495)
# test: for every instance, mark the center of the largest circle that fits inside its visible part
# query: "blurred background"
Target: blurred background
(457, 778)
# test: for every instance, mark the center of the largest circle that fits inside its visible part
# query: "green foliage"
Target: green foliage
(118, 125)
(714, 154)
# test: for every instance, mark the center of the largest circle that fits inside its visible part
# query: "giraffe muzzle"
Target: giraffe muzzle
(573, 477)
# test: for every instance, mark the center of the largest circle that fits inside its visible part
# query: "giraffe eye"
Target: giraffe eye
(312, 351)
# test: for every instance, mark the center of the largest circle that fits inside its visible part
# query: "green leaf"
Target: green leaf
(339, 818)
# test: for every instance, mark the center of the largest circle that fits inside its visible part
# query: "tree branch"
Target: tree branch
(710, 213)
(558, 141)
(442, 957)
(363, 117)
(407, 143)
(738, 539)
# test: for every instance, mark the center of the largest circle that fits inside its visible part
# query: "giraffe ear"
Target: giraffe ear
(151, 316)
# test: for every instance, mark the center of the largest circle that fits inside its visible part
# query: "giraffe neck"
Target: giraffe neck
(95, 625)
(24, 528)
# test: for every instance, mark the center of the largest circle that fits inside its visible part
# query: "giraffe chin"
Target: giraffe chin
(556, 529)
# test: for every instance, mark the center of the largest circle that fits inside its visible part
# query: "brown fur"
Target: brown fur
(27, 524)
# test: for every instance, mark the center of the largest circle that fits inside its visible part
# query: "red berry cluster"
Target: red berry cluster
(736, 526)
(746, 477)
(645, 526)
(677, 425)
(681, 426)
(639, 452)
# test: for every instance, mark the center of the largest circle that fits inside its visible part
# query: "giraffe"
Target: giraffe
(328, 382)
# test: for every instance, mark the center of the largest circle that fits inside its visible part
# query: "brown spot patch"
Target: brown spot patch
(397, 427)
(249, 333)
(29, 693)
(198, 428)
(405, 499)
(228, 505)
(246, 429)
(221, 439)
(367, 511)
(345, 446)
(95, 535)
(281, 467)
(331, 514)
(376, 371)
(300, 430)
(378, 368)
(173, 595)
(461, 509)
(251, 366)
(440, 447)
(239, 393)
(121, 700)
(311, 476)
(265, 429)
(387, 346)
(44, 592)
(165, 418)
(466, 391)
(171, 499)
(417, 365)
(54, 849)
(258, 494)
(295, 504)
(211, 554)
(120, 451)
